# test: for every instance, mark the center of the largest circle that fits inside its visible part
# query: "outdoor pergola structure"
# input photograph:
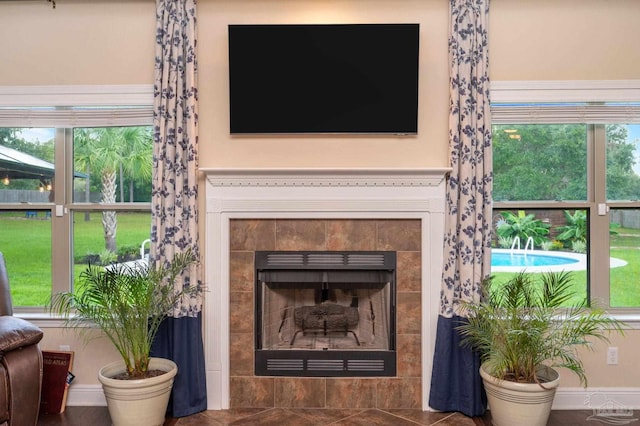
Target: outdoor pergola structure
(18, 165)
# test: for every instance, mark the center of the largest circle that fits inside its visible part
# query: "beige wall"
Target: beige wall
(111, 42)
(79, 42)
(599, 374)
(90, 354)
(564, 40)
(428, 148)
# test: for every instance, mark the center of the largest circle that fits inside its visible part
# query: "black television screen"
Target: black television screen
(345, 78)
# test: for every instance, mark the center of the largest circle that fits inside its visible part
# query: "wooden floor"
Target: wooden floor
(99, 416)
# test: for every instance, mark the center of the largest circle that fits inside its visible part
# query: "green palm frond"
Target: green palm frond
(526, 323)
(127, 303)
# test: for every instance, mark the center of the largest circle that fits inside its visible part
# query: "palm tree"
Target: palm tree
(82, 140)
(106, 151)
(107, 154)
(110, 150)
(137, 163)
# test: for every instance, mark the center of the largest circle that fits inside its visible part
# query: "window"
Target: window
(567, 186)
(75, 186)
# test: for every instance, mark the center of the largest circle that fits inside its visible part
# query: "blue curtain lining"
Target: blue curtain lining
(180, 340)
(456, 384)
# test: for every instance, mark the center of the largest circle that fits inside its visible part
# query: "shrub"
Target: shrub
(546, 245)
(575, 229)
(579, 246)
(107, 257)
(522, 226)
(505, 242)
(126, 253)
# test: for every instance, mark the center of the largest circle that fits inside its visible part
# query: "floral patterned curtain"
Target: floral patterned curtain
(455, 382)
(174, 227)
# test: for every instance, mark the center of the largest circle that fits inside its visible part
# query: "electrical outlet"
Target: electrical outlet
(612, 355)
(65, 348)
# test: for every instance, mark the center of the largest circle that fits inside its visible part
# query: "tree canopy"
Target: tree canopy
(549, 162)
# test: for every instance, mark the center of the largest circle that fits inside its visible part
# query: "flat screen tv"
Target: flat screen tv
(315, 79)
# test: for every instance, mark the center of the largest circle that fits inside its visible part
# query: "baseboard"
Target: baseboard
(86, 395)
(596, 398)
(566, 398)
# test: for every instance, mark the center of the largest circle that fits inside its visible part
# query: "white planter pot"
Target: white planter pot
(520, 404)
(140, 402)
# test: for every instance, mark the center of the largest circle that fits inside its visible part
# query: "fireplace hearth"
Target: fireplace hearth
(325, 314)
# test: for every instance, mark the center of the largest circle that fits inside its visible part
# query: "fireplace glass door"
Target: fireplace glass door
(325, 313)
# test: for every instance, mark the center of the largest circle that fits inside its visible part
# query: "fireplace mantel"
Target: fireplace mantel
(325, 177)
(315, 194)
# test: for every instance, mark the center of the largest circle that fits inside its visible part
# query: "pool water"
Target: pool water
(529, 259)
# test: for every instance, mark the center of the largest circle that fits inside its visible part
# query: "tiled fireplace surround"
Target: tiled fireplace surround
(319, 209)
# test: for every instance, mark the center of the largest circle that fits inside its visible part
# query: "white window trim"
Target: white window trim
(72, 106)
(565, 91)
(87, 95)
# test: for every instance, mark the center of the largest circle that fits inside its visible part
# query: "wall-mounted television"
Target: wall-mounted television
(319, 79)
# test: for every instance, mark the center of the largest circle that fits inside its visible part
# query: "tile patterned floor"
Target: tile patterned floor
(321, 417)
(99, 416)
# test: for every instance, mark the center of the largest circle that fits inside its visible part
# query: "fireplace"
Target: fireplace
(252, 210)
(325, 314)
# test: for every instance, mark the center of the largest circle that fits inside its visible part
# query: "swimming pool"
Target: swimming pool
(504, 260)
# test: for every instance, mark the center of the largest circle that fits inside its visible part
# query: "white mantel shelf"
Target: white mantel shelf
(325, 177)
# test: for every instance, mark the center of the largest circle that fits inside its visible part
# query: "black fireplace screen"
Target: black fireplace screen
(325, 313)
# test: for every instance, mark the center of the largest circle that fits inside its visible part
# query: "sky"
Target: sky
(634, 136)
(634, 131)
(39, 134)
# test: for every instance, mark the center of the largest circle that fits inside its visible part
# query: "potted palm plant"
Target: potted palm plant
(523, 329)
(128, 303)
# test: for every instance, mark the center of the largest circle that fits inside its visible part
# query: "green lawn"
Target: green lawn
(625, 245)
(133, 228)
(579, 280)
(624, 282)
(26, 246)
(624, 287)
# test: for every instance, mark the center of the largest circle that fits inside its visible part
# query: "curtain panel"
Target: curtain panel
(174, 227)
(455, 383)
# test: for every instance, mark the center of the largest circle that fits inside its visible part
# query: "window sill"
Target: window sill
(45, 320)
(632, 320)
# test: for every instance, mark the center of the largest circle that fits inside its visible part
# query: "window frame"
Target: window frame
(615, 91)
(63, 110)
